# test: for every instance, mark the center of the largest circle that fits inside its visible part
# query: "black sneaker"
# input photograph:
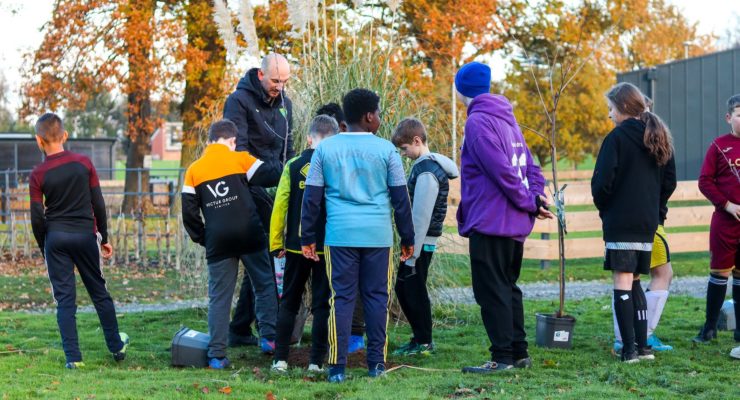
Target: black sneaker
(646, 353)
(630, 357)
(242, 340)
(737, 335)
(705, 335)
(525, 362)
(488, 367)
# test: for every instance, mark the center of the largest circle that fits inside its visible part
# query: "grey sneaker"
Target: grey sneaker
(523, 363)
(488, 367)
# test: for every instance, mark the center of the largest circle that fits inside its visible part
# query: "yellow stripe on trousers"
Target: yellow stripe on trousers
(388, 304)
(332, 311)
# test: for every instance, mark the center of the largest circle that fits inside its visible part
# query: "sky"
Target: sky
(21, 22)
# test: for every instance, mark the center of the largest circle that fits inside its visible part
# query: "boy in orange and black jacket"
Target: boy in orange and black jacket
(217, 185)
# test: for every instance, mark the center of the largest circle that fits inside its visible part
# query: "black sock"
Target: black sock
(625, 310)
(716, 291)
(640, 304)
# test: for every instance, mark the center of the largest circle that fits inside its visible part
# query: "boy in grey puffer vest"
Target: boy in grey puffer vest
(428, 186)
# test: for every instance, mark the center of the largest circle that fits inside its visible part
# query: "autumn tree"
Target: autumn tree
(100, 46)
(205, 68)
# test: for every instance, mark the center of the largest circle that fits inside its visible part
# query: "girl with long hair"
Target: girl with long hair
(630, 189)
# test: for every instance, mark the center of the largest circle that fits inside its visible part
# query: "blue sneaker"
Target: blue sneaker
(657, 345)
(336, 374)
(376, 372)
(219, 363)
(267, 346)
(356, 343)
(618, 346)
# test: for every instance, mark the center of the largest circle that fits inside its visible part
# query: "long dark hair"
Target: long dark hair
(630, 101)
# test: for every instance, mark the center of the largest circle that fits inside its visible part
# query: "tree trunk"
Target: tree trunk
(139, 43)
(204, 77)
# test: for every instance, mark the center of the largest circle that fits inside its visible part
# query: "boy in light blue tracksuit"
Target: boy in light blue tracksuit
(359, 176)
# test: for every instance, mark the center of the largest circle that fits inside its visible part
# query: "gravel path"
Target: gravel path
(695, 286)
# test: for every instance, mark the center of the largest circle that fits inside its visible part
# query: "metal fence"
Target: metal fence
(149, 234)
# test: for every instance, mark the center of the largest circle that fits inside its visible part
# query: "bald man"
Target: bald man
(262, 112)
(263, 115)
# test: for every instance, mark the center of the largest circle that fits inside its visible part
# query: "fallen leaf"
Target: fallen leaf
(55, 382)
(205, 390)
(225, 390)
(269, 396)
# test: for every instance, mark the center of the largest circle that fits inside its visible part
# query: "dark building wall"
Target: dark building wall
(22, 154)
(690, 95)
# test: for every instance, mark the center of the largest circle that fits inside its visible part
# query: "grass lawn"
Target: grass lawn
(29, 287)
(160, 168)
(589, 371)
(26, 286)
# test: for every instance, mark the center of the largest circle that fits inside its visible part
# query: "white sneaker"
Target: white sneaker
(315, 368)
(279, 366)
(735, 353)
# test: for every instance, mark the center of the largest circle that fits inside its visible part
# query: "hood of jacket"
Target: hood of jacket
(251, 83)
(493, 105)
(634, 131)
(447, 165)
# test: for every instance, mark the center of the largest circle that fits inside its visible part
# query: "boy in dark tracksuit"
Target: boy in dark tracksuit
(68, 218)
(217, 185)
(284, 239)
(428, 185)
(360, 176)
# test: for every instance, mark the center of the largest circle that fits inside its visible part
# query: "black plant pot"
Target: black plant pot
(554, 332)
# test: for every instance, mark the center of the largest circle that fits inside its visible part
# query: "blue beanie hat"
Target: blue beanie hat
(473, 79)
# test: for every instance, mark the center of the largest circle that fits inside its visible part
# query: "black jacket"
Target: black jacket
(217, 187)
(265, 125)
(629, 188)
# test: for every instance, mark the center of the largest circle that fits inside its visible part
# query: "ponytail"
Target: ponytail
(657, 138)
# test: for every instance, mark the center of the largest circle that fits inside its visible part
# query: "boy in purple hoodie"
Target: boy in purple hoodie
(502, 193)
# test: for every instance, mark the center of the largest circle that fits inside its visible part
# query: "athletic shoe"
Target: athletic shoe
(376, 372)
(336, 374)
(737, 335)
(356, 343)
(267, 346)
(705, 335)
(655, 343)
(279, 366)
(487, 368)
(74, 365)
(735, 353)
(630, 358)
(242, 340)
(315, 369)
(645, 353)
(523, 363)
(219, 363)
(618, 346)
(121, 354)
(404, 350)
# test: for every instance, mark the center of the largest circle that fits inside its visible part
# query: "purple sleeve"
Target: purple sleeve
(534, 176)
(490, 156)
